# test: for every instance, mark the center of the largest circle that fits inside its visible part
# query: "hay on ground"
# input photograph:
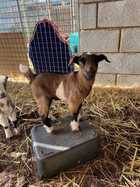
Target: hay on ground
(115, 113)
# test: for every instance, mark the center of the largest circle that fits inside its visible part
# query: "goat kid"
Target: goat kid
(7, 111)
(72, 88)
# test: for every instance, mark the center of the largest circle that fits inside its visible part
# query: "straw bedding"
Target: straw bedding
(115, 113)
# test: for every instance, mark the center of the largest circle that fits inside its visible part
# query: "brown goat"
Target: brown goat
(72, 88)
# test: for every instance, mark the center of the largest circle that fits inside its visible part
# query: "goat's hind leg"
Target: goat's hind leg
(44, 105)
(6, 125)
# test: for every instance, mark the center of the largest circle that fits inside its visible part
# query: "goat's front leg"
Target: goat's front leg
(5, 123)
(44, 105)
(13, 119)
(74, 109)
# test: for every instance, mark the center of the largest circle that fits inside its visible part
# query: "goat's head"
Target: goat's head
(3, 86)
(88, 63)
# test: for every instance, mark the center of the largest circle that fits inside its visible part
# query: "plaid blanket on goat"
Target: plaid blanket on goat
(48, 49)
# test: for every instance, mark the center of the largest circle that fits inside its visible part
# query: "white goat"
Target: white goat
(8, 117)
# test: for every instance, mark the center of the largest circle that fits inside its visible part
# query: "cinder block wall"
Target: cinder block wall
(112, 27)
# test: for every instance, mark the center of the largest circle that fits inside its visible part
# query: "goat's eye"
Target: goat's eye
(82, 61)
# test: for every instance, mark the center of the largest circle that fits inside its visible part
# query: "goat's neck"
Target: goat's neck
(84, 84)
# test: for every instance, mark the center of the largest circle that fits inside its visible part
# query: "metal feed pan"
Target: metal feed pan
(63, 149)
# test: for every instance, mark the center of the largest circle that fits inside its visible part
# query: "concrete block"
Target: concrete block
(105, 79)
(99, 40)
(87, 16)
(128, 80)
(130, 41)
(93, 1)
(89, 1)
(119, 13)
(121, 63)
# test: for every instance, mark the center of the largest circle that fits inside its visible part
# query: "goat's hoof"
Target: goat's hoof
(9, 134)
(49, 129)
(75, 126)
(16, 131)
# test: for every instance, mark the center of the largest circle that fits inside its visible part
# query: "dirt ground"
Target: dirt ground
(115, 113)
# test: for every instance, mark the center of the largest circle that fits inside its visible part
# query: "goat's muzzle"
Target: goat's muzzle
(88, 75)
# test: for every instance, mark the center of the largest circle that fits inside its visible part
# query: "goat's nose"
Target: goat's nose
(89, 75)
(2, 94)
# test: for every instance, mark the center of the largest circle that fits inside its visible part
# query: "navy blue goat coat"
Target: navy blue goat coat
(48, 51)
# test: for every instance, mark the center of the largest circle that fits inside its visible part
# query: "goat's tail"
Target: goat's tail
(27, 72)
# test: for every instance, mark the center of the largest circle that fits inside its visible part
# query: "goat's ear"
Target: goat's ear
(74, 59)
(5, 82)
(102, 57)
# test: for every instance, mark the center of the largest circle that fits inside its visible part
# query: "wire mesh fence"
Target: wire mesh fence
(17, 21)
